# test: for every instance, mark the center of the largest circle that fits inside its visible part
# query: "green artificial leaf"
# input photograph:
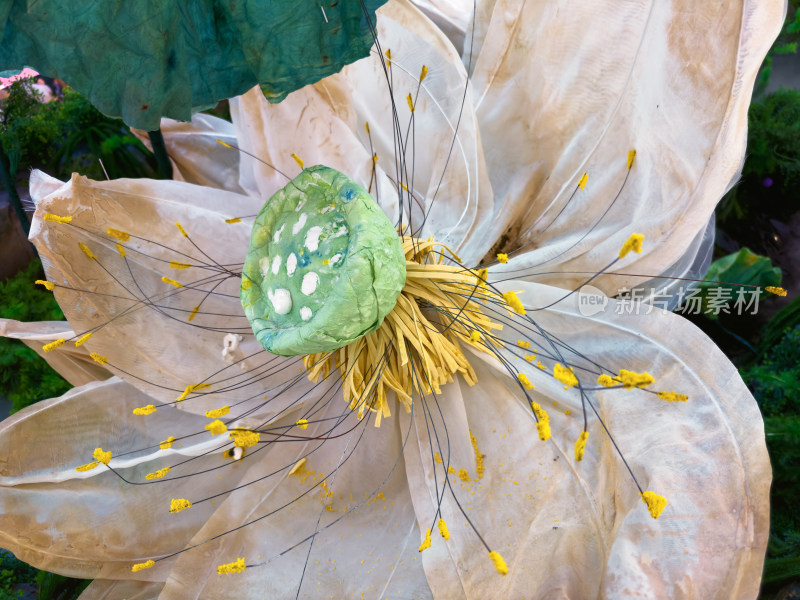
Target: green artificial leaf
(147, 59)
(719, 292)
(790, 48)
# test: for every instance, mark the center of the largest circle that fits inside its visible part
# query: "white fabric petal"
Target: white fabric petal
(562, 90)
(92, 524)
(195, 154)
(325, 124)
(366, 540)
(147, 343)
(73, 364)
(580, 530)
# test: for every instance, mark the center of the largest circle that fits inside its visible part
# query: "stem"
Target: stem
(8, 182)
(160, 151)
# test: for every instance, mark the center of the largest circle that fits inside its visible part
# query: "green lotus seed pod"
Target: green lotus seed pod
(325, 265)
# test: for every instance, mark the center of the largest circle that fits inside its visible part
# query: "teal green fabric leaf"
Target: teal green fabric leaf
(151, 58)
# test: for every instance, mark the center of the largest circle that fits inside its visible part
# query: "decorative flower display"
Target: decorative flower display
(497, 434)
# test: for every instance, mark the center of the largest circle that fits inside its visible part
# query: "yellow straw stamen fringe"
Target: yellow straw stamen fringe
(436, 356)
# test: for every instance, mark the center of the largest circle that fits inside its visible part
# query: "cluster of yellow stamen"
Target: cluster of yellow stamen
(235, 567)
(380, 361)
(100, 456)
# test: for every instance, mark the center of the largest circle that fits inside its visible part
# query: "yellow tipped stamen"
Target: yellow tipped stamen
(606, 381)
(216, 427)
(233, 220)
(499, 563)
(53, 345)
(580, 445)
(463, 475)
(302, 424)
(83, 339)
(565, 375)
(158, 474)
(167, 443)
(631, 379)
(543, 424)
(140, 566)
(298, 160)
(530, 357)
(632, 243)
(583, 181)
(49, 285)
(778, 291)
(375, 159)
(426, 543)
(388, 54)
(193, 314)
(672, 396)
(523, 344)
(514, 302)
(179, 504)
(221, 143)
(410, 102)
(181, 229)
(631, 157)
(103, 456)
(174, 264)
(523, 379)
(479, 468)
(122, 236)
(98, 358)
(166, 279)
(85, 249)
(366, 126)
(443, 529)
(145, 410)
(423, 74)
(235, 567)
(121, 250)
(482, 275)
(298, 466)
(56, 218)
(503, 258)
(87, 467)
(420, 355)
(218, 412)
(244, 438)
(475, 337)
(192, 388)
(655, 503)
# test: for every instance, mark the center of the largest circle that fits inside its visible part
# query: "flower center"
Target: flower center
(417, 347)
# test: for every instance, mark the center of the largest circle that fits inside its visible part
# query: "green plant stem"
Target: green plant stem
(160, 151)
(8, 182)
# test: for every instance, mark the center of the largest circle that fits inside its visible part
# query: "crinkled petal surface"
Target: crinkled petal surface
(563, 90)
(326, 124)
(579, 529)
(196, 154)
(190, 54)
(140, 323)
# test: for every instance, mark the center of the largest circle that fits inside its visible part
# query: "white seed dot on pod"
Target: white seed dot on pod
(305, 313)
(276, 264)
(341, 231)
(263, 266)
(281, 300)
(291, 264)
(310, 283)
(278, 233)
(301, 222)
(312, 238)
(335, 259)
(238, 453)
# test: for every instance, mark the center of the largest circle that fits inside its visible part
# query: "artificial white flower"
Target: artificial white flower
(327, 505)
